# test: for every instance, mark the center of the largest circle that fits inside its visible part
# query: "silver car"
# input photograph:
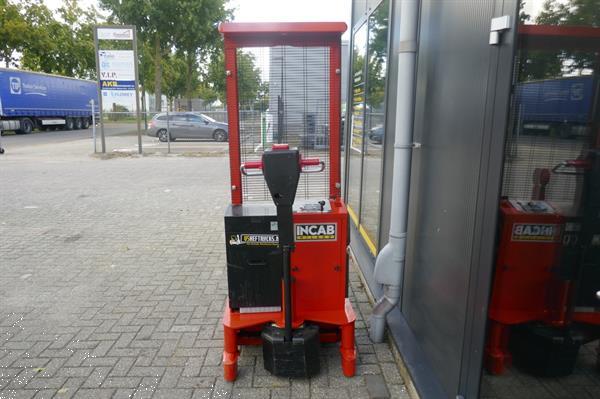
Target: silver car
(187, 125)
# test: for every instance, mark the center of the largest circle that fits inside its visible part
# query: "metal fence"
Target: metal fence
(162, 132)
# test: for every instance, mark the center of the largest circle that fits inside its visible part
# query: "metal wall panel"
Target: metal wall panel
(455, 182)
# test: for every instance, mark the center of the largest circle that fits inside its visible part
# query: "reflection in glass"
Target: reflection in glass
(356, 118)
(554, 117)
(551, 118)
(375, 122)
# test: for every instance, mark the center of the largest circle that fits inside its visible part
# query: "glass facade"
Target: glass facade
(551, 145)
(356, 125)
(367, 123)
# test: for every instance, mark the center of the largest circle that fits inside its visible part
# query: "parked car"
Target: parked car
(187, 125)
(376, 135)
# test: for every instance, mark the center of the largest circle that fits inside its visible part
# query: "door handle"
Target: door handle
(257, 263)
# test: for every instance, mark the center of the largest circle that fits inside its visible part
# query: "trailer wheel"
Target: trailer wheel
(69, 124)
(85, 123)
(26, 126)
(78, 124)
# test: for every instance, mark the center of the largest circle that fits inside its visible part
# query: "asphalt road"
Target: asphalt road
(119, 137)
(49, 137)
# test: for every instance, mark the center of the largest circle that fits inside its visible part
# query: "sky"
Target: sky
(272, 10)
(296, 10)
(292, 10)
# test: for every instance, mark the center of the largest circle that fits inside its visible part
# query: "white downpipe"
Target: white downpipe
(389, 266)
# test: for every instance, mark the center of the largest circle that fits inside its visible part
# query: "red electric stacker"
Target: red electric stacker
(287, 225)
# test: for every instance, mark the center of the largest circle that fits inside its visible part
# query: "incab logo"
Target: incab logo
(316, 232)
(15, 85)
(536, 232)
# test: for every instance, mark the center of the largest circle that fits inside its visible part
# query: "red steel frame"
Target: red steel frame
(319, 269)
(323, 34)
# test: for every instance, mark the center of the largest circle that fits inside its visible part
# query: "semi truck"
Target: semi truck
(559, 107)
(32, 100)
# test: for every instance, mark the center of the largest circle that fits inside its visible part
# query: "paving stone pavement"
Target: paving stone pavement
(112, 285)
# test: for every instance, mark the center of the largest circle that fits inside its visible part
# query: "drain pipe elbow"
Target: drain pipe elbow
(389, 299)
(384, 305)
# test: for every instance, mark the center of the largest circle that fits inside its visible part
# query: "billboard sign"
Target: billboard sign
(117, 69)
(117, 74)
(115, 34)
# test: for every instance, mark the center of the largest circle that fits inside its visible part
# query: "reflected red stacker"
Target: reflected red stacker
(287, 226)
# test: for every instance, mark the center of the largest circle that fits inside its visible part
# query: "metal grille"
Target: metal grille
(526, 153)
(549, 122)
(283, 96)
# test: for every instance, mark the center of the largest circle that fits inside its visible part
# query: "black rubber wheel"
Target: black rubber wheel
(85, 123)
(163, 136)
(26, 126)
(69, 124)
(78, 124)
(220, 135)
(1, 150)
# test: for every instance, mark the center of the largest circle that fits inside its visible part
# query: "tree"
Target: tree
(197, 37)
(156, 23)
(544, 64)
(13, 31)
(251, 89)
(174, 76)
(213, 82)
(377, 56)
(187, 27)
(61, 45)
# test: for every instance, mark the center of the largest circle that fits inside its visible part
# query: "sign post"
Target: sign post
(100, 103)
(117, 71)
(137, 93)
(93, 124)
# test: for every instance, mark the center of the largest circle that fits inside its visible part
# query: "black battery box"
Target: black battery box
(253, 258)
(544, 351)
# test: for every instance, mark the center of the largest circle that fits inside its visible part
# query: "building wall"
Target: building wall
(462, 96)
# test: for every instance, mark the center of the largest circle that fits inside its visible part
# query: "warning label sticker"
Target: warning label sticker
(254, 239)
(316, 232)
(535, 232)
